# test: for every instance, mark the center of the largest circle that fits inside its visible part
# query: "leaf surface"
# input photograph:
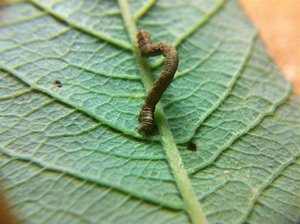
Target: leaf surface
(71, 154)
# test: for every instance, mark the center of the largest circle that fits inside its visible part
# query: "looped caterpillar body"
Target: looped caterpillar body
(146, 116)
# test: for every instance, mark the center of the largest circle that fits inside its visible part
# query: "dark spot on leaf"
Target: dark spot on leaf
(58, 83)
(191, 147)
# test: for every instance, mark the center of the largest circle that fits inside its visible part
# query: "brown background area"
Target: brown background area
(278, 22)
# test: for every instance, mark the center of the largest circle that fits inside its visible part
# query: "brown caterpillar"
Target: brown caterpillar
(146, 116)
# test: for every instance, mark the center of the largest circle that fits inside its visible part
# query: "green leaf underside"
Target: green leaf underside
(72, 154)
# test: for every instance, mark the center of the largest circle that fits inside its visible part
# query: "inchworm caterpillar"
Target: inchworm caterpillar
(146, 116)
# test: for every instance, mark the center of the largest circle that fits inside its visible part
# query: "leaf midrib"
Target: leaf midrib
(191, 204)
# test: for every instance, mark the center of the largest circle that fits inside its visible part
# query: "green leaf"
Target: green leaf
(72, 154)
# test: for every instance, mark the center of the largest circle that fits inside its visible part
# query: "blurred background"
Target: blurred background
(278, 22)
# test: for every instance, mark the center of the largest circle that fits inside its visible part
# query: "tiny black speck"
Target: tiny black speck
(58, 83)
(191, 147)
